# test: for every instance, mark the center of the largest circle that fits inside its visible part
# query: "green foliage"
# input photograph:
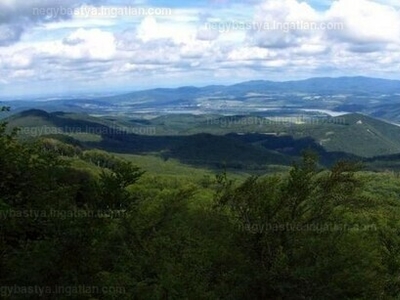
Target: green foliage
(309, 233)
(60, 148)
(305, 236)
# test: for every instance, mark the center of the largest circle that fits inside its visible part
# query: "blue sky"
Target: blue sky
(74, 46)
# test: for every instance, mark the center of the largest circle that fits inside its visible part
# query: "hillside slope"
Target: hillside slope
(194, 138)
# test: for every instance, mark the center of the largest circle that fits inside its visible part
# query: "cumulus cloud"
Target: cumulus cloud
(365, 22)
(18, 60)
(282, 24)
(363, 25)
(226, 41)
(82, 44)
(16, 15)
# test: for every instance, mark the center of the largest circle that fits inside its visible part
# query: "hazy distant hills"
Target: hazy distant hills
(324, 86)
(371, 96)
(354, 93)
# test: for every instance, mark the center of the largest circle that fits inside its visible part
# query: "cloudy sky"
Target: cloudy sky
(74, 46)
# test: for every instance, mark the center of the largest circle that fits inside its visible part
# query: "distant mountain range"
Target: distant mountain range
(326, 85)
(371, 96)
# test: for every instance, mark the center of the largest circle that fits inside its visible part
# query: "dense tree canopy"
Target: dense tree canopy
(310, 234)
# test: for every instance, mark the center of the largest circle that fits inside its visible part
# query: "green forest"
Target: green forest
(80, 223)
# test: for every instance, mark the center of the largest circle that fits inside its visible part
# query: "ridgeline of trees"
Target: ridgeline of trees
(66, 233)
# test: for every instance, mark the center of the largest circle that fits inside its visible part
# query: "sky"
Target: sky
(59, 47)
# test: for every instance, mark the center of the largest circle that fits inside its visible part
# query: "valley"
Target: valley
(165, 185)
(315, 96)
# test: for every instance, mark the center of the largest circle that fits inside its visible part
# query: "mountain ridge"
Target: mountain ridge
(355, 133)
(376, 97)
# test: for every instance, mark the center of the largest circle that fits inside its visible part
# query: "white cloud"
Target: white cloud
(279, 24)
(366, 21)
(251, 53)
(92, 44)
(181, 47)
(96, 44)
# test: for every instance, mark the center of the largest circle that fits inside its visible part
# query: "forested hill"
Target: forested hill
(86, 224)
(177, 136)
